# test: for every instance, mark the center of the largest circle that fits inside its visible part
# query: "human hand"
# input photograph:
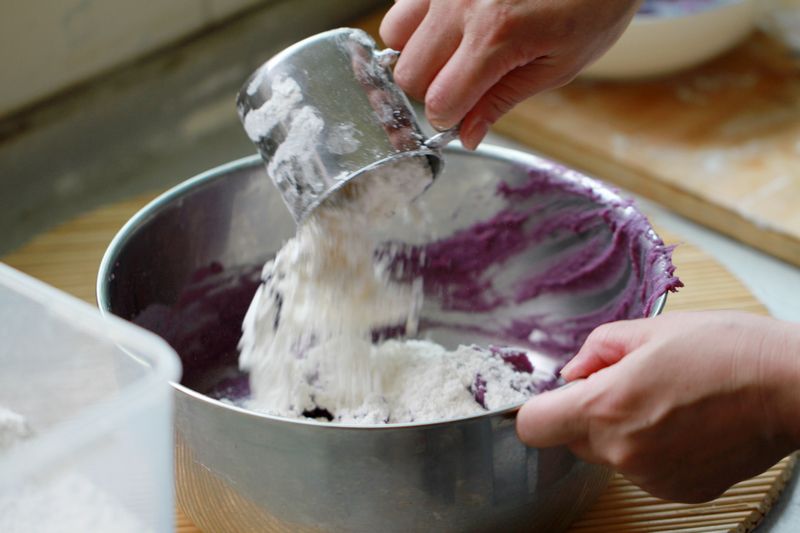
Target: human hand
(684, 405)
(476, 59)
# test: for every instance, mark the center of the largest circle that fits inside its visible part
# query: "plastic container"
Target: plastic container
(95, 451)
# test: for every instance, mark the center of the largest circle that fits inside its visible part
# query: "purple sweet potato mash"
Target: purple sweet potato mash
(617, 251)
(605, 253)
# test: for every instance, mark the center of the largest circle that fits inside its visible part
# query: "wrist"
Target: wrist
(780, 382)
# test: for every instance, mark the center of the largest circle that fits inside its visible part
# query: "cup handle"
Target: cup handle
(386, 57)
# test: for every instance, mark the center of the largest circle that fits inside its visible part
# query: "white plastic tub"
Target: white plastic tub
(96, 451)
(658, 44)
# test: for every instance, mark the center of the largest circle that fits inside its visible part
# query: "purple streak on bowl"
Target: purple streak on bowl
(456, 269)
(204, 326)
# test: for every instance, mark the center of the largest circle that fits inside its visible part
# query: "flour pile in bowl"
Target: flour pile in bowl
(308, 335)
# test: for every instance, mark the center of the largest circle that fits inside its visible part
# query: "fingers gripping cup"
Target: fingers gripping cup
(326, 111)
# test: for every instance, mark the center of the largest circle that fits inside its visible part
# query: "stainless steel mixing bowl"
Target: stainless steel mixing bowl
(187, 265)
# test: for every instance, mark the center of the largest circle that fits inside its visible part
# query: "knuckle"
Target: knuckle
(600, 335)
(499, 102)
(623, 456)
(389, 30)
(406, 78)
(438, 108)
(504, 19)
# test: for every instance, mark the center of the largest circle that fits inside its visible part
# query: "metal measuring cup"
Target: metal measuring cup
(326, 110)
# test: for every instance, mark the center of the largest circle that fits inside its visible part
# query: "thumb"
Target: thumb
(607, 345)
(555, 417)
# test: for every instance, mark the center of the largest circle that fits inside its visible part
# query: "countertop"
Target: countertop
(174, 117)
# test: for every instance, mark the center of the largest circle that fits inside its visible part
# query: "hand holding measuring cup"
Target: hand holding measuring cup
(474, 60)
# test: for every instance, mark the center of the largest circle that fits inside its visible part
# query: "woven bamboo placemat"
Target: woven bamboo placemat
(68, 258)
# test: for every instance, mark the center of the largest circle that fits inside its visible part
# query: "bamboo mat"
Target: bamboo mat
(68, 258)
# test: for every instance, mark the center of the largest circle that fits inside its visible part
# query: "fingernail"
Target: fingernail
(472, 138)
(436, 126)
(566, 369)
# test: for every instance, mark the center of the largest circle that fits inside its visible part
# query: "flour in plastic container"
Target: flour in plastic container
(66, 503)
(56, 500)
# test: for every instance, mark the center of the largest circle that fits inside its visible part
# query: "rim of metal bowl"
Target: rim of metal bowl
(496, 152)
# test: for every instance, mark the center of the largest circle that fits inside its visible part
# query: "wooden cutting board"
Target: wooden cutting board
(68, 258)
(719, 144)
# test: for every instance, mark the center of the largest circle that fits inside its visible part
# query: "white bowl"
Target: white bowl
(658, 44)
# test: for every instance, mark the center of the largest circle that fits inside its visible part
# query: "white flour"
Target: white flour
(13, 428)
(286, 97)
(302, 126)
(323, 294)
(297, 155)
(59, 500)
(69, 503)
(307, 336)
(423, 382)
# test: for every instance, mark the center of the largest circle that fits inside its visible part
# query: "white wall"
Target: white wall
(47, 45)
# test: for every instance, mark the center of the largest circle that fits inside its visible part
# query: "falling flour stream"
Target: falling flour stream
(308, 335)
(307, 338)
